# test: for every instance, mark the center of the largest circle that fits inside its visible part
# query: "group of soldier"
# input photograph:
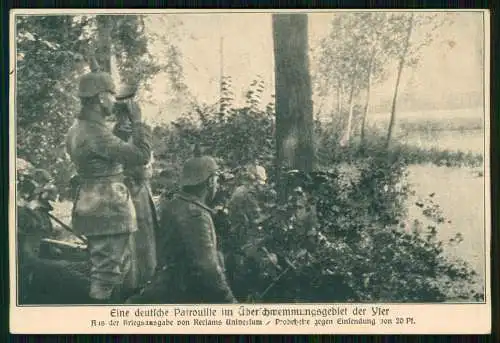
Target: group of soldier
(138, 252)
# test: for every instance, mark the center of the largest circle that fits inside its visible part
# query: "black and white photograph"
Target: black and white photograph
(250, 158)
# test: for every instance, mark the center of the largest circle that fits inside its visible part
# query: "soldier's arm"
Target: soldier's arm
(197, 234)
(122, 131)
(137, 152)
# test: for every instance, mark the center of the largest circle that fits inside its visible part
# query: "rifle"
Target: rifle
(66, 227)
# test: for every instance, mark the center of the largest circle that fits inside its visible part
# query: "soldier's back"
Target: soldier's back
(190, 269)
(172, 282)
(86, 145)
(172, 236)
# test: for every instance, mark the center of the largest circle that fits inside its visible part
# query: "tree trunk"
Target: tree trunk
(103, 46)
(367, 101)
(351, 112)
(347, 135)
(294, 108)
(339, 97)
(396, 88)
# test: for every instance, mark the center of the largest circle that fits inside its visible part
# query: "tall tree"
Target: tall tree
(354, 89)
(367, 98)
(294, 108)
(359, 46)
(401, 45)
(348, 57)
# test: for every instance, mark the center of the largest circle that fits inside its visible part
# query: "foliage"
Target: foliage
(237, 135)
(346, 52)
(342, 233)
(46, 99)
(130, 44)
(328, 149)
(436, 126)
(50, 58)
(361, 46)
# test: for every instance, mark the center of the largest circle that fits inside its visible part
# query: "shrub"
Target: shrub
(356, 251)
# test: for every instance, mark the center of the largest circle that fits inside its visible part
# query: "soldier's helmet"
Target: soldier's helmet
(197, 170)
(256, 173)
(23, 168)
(33, 181)
(94, 83)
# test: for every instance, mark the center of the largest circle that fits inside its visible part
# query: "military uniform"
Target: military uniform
(36, 274)
(243, 206)
(103, 210)
(191, 269)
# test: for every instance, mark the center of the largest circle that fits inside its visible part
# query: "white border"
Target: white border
(429, 318)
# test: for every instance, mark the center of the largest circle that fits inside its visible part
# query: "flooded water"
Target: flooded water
(460, 192)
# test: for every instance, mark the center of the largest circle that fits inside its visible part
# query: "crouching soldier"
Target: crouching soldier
(33, 226)
(103, 210)
(190, 266)
(244, 208)
(43, 276)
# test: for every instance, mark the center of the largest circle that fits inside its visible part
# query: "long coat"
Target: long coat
(143, 241)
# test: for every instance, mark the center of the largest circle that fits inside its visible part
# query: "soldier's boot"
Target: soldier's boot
(113, 299)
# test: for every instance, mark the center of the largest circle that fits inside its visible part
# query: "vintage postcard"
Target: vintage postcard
(249, 172)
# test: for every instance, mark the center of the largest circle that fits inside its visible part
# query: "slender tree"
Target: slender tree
(345, 58)
(402, 59)
(367, 98)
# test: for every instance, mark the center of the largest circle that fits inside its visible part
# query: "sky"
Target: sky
(450, 67)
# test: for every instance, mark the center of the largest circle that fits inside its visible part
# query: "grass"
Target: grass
(452, 130)
(416, 155)
(444, 138)
(470, 141)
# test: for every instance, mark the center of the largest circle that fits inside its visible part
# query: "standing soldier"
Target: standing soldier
(143, 245)
(190, 266)
(103, 210)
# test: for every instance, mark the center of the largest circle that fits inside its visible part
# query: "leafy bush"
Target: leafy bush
(340, 235)
(237, 136)
(357, 251)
